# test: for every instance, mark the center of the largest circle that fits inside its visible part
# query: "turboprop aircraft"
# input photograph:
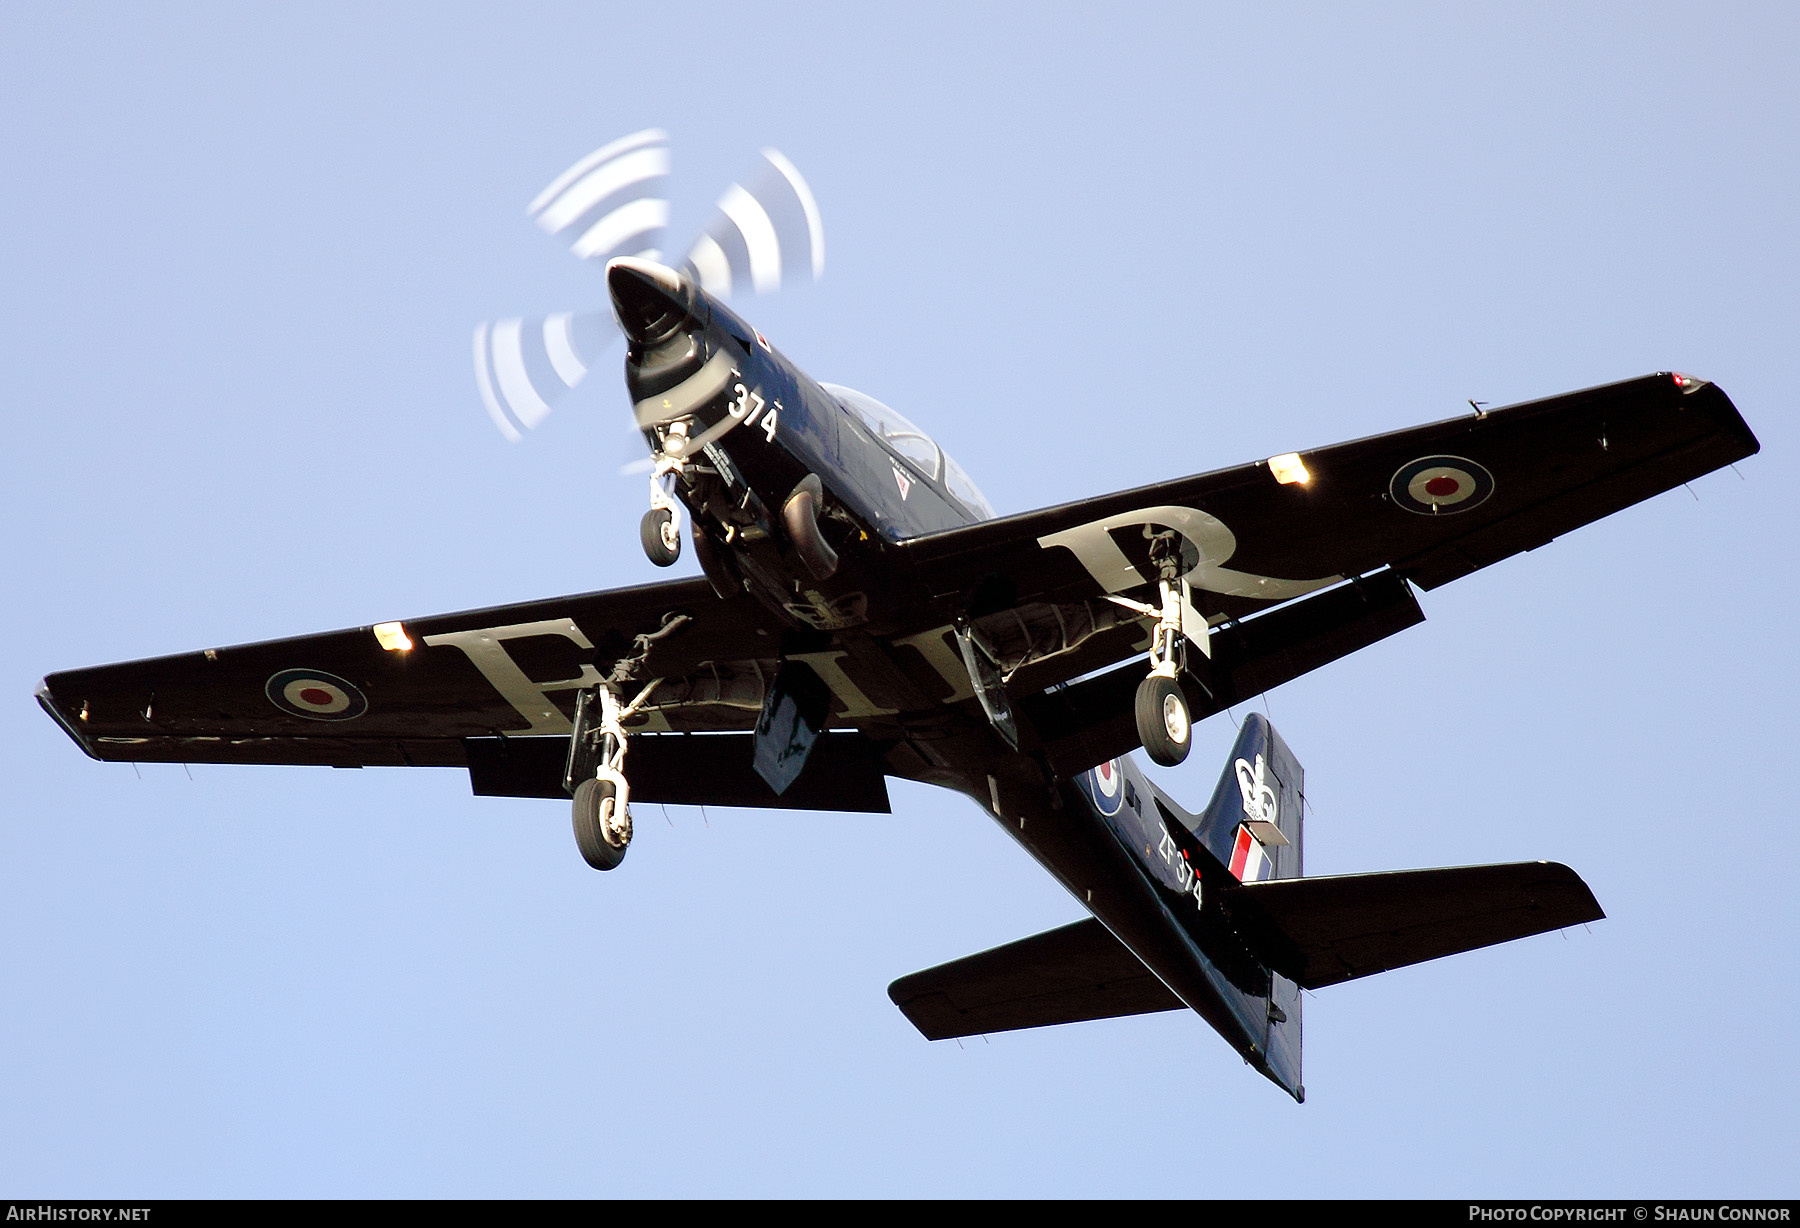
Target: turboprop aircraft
(862, 614)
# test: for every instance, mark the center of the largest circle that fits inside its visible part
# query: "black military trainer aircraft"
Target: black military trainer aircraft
(863, 614)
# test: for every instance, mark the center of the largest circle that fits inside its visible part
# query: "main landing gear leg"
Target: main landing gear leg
(1164, 724)
(596, 775)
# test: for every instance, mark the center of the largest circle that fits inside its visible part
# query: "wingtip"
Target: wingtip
(47, 702)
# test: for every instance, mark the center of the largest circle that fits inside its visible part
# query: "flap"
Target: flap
(844, 771)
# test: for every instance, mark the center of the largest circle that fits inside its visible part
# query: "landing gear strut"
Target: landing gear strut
(596, 775)
(1164, 725)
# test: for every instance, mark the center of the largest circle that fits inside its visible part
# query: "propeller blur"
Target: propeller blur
(611, 203)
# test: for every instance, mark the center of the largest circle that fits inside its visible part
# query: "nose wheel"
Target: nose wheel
(661, 536)
(660, 529)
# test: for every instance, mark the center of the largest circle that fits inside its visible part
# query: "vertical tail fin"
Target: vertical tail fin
(1253, 824)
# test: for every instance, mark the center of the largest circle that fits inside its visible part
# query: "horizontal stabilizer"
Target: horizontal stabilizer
(1065, 975)
(1320, 931)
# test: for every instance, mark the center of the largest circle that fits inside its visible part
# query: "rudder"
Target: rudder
(1254, 823)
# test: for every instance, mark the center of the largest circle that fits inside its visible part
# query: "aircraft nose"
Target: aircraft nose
(651, 300)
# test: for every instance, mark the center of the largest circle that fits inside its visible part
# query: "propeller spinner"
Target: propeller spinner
(765, 230)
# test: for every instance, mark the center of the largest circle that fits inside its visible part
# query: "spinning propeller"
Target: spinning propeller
(766, 230)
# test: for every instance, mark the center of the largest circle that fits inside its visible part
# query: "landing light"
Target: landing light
(1288, 470)
(393, 637)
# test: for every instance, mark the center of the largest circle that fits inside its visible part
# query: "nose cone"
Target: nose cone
(651, 300)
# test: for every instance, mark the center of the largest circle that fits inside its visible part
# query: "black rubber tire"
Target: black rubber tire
(662, 544)
(594, 848)
(1164, 725)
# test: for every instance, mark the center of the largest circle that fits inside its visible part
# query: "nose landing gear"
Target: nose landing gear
(660, 530)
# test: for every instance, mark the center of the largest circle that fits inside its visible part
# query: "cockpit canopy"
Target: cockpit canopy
(918, 448)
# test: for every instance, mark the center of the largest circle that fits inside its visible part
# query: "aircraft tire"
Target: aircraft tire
(1164, 724)
(596, 850)
(660, 537)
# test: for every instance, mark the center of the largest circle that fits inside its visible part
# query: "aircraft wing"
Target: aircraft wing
(1432, 503)
(1269, 556)
(492, 690)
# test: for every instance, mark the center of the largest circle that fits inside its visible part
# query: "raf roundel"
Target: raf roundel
(316, 695)
(1439, 485)
(1108, 786)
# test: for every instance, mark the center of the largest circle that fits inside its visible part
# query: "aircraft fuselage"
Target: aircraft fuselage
(756, 428)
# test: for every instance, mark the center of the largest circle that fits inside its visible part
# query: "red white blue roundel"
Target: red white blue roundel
(316, 695)
(1438, 485)
(1107, 784)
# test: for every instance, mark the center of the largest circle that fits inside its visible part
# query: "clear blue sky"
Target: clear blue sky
(1089, 247)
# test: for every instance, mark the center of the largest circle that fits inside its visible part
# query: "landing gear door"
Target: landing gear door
(584, 741)
(794, 711)
(1193, 623)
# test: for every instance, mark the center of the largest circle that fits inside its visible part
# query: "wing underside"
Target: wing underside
(406, 692)
(490, 690)
(1430, 503)
(1289, 573)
